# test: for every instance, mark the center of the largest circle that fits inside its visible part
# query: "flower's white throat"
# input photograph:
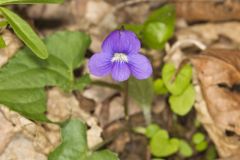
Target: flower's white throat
(119, 57)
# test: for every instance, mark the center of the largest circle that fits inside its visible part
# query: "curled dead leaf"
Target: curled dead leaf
(218, 100)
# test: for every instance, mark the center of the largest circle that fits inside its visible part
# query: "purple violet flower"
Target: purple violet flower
(120, 57)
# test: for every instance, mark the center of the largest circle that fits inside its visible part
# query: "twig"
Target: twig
(182, 43)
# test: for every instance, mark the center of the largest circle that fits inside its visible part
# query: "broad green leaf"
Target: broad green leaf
(155, 35)
(2, 42)
(25, 33)
(74, 142)
(159, 87)
(165, 14)
(24, 78)
(103, 155)
(4, 2)
(176, 84)
(74, 145)
(136, 28)
(183, 103)
(159, 27)
(202, 146)
(162, 146)
(151, 130)
(198, 138)
(81, 82)
(142, 92)
(185, 149)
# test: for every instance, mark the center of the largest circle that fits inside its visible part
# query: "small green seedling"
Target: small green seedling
(185, 149)
(199, 141)
(162, 145)
(178, 84)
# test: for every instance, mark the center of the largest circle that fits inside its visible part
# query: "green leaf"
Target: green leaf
(202, 146)
(81, 82)
(25, 33)
(185, 149)
(211, 153)
(74, 142)
(176, 84)
(103, 155)
(2, 42)
(159, 27)
(3, 23)
(136, 28)
(142, 92)
(4, 2)
(155, 35)
(165, 14)
(182, 104)
(162, 146)
(24, 78)
(198, 138)
(74, 145)
(159, 87)
(151, 130)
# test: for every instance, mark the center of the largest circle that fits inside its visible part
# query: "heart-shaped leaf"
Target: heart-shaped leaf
(198, 138)
(159, 27)
(201, 146)
(185, 149)
(151, 130)
(162, 146)
(176, 83)
(183, 103)
(155, 34)
(165, 14)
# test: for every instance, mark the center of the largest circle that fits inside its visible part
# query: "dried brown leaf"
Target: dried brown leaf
(218, 74)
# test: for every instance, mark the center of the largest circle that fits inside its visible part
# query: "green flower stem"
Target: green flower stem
(126, 110)
(106, 84)
(147, 114)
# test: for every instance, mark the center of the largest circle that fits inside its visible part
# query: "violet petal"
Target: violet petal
(120, 71)
(121, 41)
(140, 66)
(100, 64)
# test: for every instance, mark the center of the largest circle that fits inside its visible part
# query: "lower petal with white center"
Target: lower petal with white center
(120, 71)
